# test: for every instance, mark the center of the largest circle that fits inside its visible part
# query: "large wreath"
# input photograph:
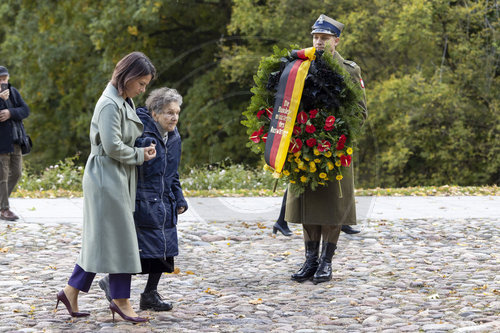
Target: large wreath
(328, 120)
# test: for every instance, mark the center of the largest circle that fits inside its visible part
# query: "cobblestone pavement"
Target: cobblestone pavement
(397, 275)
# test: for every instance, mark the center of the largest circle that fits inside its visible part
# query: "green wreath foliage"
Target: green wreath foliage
(333, 131)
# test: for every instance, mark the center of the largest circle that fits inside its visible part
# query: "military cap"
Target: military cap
(327, 25)
(3, 71)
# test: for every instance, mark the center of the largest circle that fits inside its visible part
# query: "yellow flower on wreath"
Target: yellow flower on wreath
(349, 150)
(312, 165)
(303, 179)
(337, 163)
(316, 151)
(340, 153)
(290, 158)
(339, 177)
(321, 183)
(313, 170)
(296, 170)
(292, 181)
(329, 165)
(328, 154)
(297, 154)
(307, 159)
(286, 172)
(297, 160)
(322, 175)
(317, 160)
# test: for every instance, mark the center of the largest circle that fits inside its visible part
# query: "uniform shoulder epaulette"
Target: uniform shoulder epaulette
(350, 63)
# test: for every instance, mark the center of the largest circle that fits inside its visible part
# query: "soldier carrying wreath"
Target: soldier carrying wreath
(307, 109)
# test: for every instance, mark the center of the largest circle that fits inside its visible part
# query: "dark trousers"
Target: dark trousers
(10, 172)
(119, 284)
(314, 232)
(281, 218)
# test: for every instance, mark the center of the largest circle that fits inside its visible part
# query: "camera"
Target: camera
(5, 86)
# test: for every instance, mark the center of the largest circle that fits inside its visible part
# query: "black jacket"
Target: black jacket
(18, 111)
(159, 193)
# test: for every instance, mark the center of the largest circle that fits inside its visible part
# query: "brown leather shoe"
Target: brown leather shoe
(8, 215)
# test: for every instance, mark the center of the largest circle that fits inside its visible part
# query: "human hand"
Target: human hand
(149, 152)
(4, 115)
(181, 210)
(5, 94)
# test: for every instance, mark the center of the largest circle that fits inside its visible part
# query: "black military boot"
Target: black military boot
(324, 271)
(152, 300)
(310, 265)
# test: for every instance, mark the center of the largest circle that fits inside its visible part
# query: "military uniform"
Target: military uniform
(324, 205)
(322, 212)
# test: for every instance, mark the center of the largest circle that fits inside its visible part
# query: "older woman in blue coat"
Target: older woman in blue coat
(159, 194)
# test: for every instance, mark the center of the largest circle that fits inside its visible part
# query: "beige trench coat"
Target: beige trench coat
(323, 206)
(109, 243)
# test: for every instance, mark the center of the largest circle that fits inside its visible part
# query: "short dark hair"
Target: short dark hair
(131, 67)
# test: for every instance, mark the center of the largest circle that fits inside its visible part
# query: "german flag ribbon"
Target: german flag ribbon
(286, 105)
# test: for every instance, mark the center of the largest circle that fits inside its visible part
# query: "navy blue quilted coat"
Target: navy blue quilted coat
(159, 193)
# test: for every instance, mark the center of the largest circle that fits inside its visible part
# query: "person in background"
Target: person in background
(12, 109)
(159, 194)
(109, 238)
(323, 212)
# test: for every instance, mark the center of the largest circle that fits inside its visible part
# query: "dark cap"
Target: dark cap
(3, 71)
(327, 25)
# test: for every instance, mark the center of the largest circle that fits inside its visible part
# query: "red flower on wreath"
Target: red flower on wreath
(295, 145)
(311, 142)
(330, 121)
(255, 137)
(261, 130)
(313, 113)
(310, 129)
(260, 113)
(302, 117)
(341, 142)
(345, 160)
(324, 145)
(264, 137)
(296, 130)
(269, 112)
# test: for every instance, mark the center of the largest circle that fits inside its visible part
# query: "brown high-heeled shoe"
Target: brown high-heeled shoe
(114, 308)
(61, 296)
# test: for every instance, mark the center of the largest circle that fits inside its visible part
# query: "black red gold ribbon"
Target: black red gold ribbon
(286, 105)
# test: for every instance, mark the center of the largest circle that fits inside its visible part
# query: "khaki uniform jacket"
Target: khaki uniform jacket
(109, 240)
(323, 206)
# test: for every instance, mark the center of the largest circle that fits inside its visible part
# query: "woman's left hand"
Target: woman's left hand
(181, 210)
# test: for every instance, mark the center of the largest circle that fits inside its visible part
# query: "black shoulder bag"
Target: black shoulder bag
(19, 135)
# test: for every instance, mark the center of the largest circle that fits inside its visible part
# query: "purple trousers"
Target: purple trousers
(119, 284)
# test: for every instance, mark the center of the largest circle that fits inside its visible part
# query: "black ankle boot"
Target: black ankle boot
(349, 230)
(104, 285)
(152, 300)
(324, 271)
(310, 265)
(283, 228)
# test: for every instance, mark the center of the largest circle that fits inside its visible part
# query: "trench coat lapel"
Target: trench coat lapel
(112, 93)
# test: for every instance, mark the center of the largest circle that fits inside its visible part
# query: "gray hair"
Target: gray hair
(159, 98)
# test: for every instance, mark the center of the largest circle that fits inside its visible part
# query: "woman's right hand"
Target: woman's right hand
(149, 152)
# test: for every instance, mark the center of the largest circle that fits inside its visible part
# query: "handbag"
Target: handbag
(20, 137)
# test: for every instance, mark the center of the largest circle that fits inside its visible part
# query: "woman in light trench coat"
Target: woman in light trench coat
(109, 241)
